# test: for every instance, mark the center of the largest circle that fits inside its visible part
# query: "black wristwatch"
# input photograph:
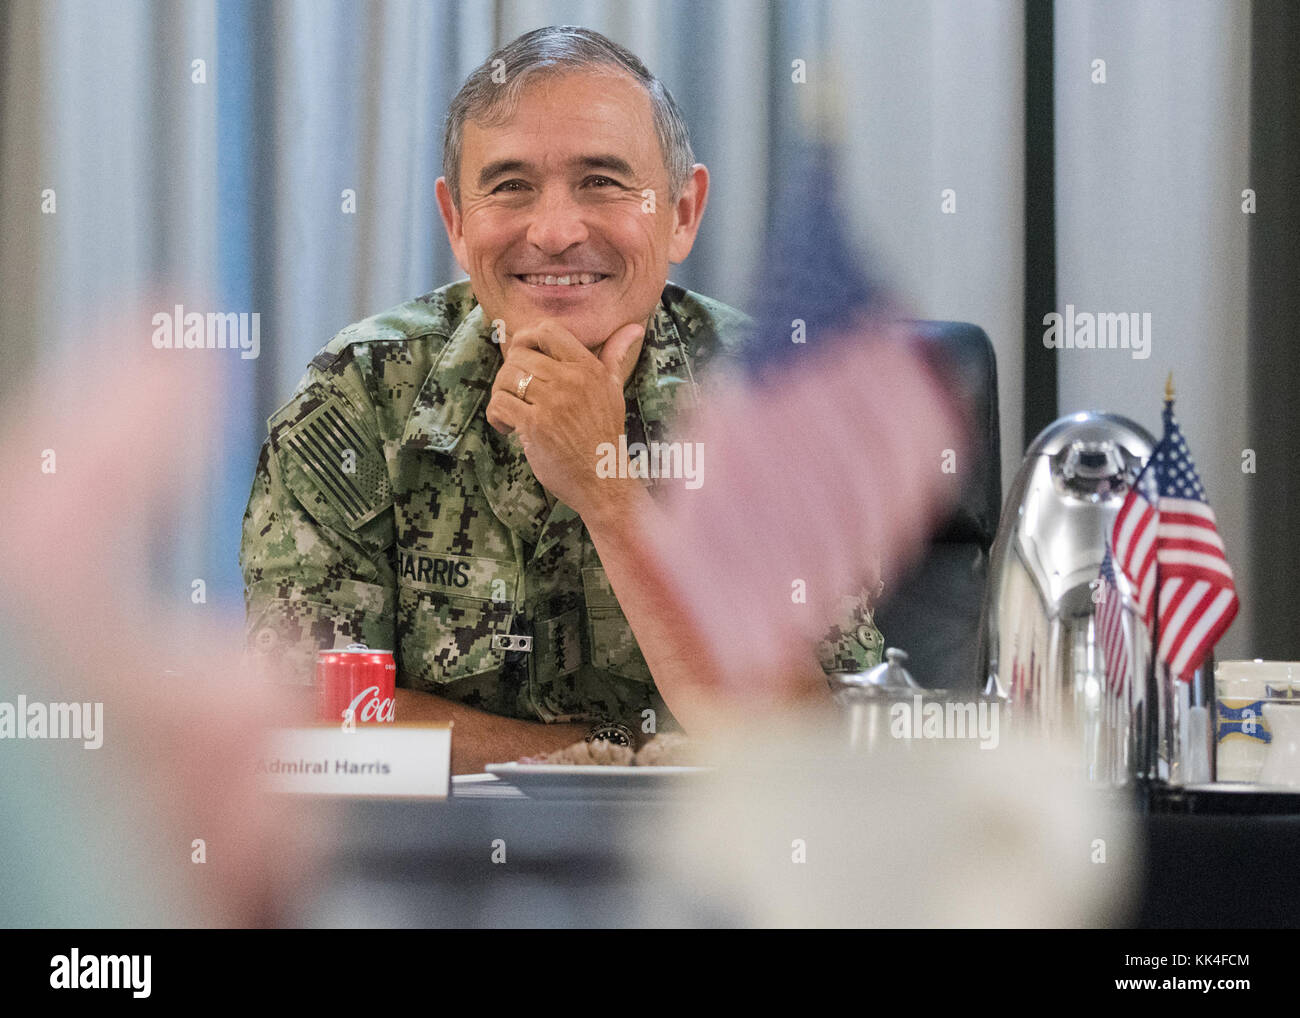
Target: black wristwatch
(611, 731)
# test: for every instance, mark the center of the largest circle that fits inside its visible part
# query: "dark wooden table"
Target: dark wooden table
(582, 864)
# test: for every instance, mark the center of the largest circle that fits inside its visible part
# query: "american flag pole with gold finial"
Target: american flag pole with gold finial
(1158, 713)
(1158, 688)
(1133, 545)
(1168, 546)
(1155, 596)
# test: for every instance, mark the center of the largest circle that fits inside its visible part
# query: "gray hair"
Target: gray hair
(554, 50)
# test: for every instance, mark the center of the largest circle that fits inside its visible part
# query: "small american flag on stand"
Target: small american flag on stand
(1110, 626)
(1168, 546)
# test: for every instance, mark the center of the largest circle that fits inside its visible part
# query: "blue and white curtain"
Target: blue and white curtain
(204, 152)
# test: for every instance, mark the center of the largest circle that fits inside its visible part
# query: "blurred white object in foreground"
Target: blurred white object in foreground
(794, 832)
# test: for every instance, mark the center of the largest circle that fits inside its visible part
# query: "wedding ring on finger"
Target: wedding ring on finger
(522, 387)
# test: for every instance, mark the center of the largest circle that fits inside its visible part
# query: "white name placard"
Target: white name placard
(383, 761)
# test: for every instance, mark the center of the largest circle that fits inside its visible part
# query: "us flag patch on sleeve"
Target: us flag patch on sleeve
(343, 461)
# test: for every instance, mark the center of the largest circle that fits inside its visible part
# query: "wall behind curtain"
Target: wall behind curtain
(227, 195)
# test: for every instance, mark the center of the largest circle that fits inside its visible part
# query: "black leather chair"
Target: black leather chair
(933, 612)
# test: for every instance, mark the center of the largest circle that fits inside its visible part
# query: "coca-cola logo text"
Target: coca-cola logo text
(375, 709)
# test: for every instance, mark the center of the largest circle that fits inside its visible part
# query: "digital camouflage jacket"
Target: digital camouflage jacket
(385, 510)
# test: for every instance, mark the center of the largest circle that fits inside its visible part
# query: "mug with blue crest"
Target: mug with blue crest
(1244, 736)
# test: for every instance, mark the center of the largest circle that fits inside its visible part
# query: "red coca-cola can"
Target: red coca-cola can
(356, 683)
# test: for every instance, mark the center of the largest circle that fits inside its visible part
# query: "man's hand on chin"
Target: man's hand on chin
(572, 403)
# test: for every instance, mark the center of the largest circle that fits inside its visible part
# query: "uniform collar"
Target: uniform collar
(456, 391)
(457, 387)
(662, 383)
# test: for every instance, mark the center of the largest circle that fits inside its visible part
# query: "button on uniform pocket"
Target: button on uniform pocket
(450, 607)
(854, 643)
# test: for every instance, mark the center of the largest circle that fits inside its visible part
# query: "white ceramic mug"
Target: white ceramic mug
(1243, 687)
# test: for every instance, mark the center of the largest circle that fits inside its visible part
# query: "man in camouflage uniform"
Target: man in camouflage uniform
(397, 499)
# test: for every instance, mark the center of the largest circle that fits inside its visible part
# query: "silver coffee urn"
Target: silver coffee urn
(1043, 648)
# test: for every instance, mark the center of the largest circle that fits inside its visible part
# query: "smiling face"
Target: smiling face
(553, 219)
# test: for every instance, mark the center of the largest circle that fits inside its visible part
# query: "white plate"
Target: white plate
(592, 781)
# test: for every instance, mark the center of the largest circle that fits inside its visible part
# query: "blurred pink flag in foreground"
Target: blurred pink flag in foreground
(826, 454)
(90, 460)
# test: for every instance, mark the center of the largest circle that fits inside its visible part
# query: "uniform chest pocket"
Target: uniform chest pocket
(449, 609)
(613, 646)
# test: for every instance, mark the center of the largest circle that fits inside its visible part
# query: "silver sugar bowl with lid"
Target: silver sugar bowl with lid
(867, 699)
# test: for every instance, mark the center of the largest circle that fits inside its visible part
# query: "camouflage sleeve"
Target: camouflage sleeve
(317, 536)
(854, 643)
